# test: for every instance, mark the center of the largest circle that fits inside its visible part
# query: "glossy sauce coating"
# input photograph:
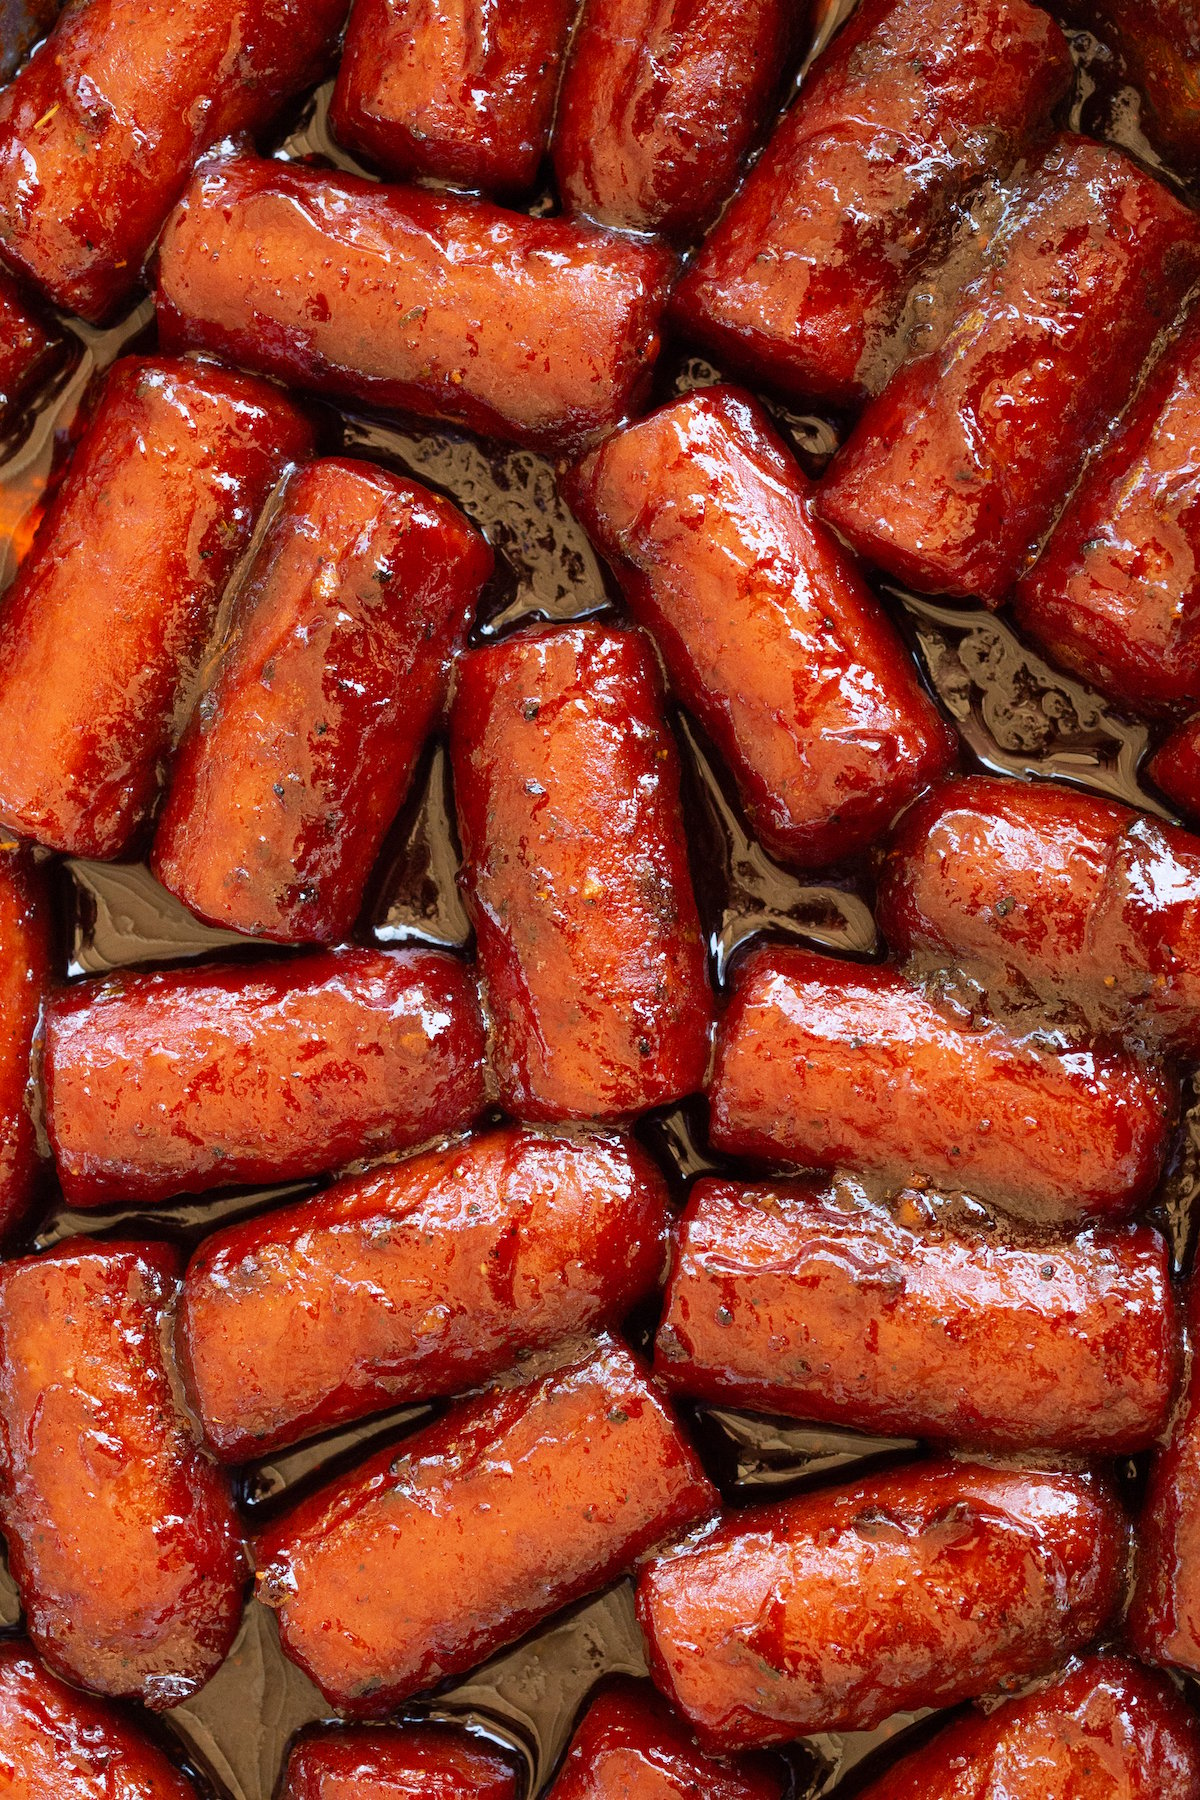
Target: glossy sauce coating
(419, 1762)
(917, 1588)
(1107, 1730)
(803, 279)
(566, 1478)
(462, 90)
(334, 671)
(1054, 897)
(22, 23)
(1158, 42)
(1164, 1618)
(59, 1744)
(575, 870)
(26, 969)
(955, 473)
(173, 1082)
(111, 610)
(1175, 768)
(99, 131)
(535, 331)
(660, 102)
(418, 1279)
(1115, 594)
(823, 1063)
(770, 636)
(28, 348)
(631, 1746)
(121, 1534)
(786, 1300)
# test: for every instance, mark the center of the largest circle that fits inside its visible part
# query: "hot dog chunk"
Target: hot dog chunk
(121, 1533)
(1175, 768)
(421, 1278)
(802, 281)
(112, 609)
(420, 1762)
(1164, 1619)
(26, 969)
(566, 1479)
(786, 659)
(953, 476)
(917, 1588)
(29, 347)
(99, 131)
(787, 1300)
(182, 1080)
(1158, 43)
(334, 671)
(630, 1746)
(537, 331)
(566, 780)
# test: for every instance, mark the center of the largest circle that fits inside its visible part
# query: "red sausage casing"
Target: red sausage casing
(536, 331)
(419, 1762)
(630, 1746)
(803, 279)
(440, 1550)
(463, 93)
(785, 658)
(100, 129)
(1175, 767)
(1039, 891)
(917, 1588)
(1106, 1730)
(26, 969)
(112, 608)
(786, 1300)
(954, 475)
(176, 1081)
(660, 102)
(422, 1278)
(59, 1744)
(335, 669)
(575, 870)
(1164, 1619)
(824, 1064)
(122, 1536)
(28, 349)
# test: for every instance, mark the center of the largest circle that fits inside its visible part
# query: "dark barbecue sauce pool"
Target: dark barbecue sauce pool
(1015, 716)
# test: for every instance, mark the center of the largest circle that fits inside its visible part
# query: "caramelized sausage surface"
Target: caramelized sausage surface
(26, 970)
(1175, 767)
(439, 1550)
(173, 1082)
(29, 346)
(121, 1534)
(1164, 1618)
(420, 1762)
(630, 1746)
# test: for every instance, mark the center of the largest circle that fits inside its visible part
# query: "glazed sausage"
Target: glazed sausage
(566, 1478)
(59, 1744)
(660, 102)
(1158, 44)
(29, 347)
(1164, 1618)
(420, 1762)
(917, 1588)
(26, 967)
(630, 1746)
(334, 672)
(802, 282)
(121, 1533)
(99, 131)
(786, 1300)
(1175, 768)
(181, 1080)
(575, 871)
(535, 331)
(22, 23)
(1042, 892)
(953, 476)
(1107, 1728)
(422, 1278)
(786, 659)
(823, 1063)
(111, 610)
(463, 93)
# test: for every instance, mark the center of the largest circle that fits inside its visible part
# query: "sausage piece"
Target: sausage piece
(953, 476)
(536, 331)
(1175, 768)
(802, 281)
(335, 670)
(660, 102)
(419, 1762)
(111, 610)
(439, 1550)
(177, 1081)
(823, 1063)
(786, 1300)
(630, 1746)
(463, 93)
(26, 968)
(29, 347)
(122, 1536)
(422, 1278)
(1158, 45)
(575, 871)
(785, 658)
(99, 131)
(917, 1588)
(1164, 1618)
